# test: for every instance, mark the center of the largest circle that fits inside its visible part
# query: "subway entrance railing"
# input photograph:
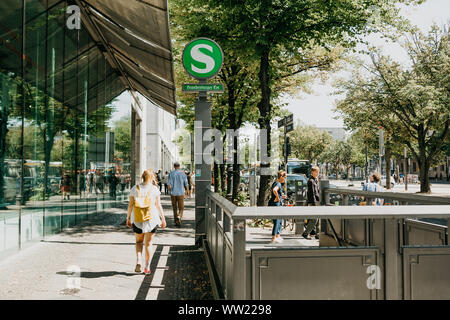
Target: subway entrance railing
(365, 252)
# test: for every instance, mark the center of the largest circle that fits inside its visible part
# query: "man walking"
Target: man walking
(164, 181)
(177, 182)
(313, 199)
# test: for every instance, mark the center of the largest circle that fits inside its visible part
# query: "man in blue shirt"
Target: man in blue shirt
(177, 183)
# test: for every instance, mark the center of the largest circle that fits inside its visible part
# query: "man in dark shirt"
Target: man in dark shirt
(313, 199)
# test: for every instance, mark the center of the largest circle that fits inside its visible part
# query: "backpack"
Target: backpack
(142, 210)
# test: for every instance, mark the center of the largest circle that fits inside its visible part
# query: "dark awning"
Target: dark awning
(134, 34)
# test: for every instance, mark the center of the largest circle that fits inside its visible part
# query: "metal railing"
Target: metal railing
(332, 272)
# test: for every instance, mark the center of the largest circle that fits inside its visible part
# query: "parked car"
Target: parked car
(332, 176)
(291, 178)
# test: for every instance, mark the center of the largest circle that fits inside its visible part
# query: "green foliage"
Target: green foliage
(339, 154)
(411, 104)
(122, 138)
(309, 142)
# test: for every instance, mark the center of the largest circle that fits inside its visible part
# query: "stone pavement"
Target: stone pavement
(96, 260)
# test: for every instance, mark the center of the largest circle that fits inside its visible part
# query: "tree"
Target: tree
(277, 33)
(309, 142)
(238, 103)
(411, 104)
(122, 138)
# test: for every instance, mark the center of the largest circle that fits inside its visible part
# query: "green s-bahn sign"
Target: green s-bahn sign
(202, 58)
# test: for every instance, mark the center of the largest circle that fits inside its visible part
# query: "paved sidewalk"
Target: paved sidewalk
(103, 251)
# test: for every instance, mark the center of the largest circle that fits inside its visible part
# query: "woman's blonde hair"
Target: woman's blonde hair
(149, 176)
(281, 173)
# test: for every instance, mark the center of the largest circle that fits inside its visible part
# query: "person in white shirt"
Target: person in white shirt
(193, 184)
(164, 181)
(144, 231)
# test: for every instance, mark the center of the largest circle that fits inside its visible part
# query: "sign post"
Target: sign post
(288, 123)
(202, 60)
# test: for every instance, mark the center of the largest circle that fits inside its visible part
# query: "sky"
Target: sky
(316, 108)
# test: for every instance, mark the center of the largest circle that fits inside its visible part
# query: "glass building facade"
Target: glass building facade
(57, 95)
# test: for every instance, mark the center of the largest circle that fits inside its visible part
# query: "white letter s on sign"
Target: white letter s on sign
(201, 57)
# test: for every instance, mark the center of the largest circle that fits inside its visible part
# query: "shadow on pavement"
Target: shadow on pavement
(100, 274)
(185, 276)
(101, 243)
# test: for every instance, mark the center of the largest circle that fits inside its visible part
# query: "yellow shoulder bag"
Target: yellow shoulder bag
(142, 210)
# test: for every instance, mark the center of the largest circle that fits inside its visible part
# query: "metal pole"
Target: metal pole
(21, 196)
(381, 149)
(366, 171)
(202, 170)
(285, 155)
(405, 171)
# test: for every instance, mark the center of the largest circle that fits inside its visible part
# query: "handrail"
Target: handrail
(344, 212)
(229, 247)
(391, 195)
(326, 212)
(224, 203)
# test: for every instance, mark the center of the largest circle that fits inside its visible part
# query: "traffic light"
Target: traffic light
(287, 148)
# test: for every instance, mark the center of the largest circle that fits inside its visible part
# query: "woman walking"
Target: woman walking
(275, 201)
(188, 189)
(65, 186)
(146, 218)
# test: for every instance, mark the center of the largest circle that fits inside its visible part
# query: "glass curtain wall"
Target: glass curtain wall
(57, 164)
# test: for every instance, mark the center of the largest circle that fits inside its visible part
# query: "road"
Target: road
(438, 189)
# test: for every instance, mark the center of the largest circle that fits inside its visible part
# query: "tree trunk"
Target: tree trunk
(216, 177)
(388, 168)
(229, 180)
(264, 121)
(236, 172)
(222, 177)
(424, 177)
(446, 169)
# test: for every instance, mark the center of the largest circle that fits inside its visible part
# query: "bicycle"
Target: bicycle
(288, 224)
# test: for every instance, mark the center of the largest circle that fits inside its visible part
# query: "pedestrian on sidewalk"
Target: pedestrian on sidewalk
(275, 201)
(189, 188)
(177, 182)
(123, 182)
(159, 178)
(374, 186)
(99, 180)
(313, 199)
(164, 180)
(193, 183)
(147, 216)
(65, 186)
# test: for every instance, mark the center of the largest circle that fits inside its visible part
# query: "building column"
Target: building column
(133, 163)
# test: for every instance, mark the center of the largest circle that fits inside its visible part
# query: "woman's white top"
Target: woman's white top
(155, 220)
